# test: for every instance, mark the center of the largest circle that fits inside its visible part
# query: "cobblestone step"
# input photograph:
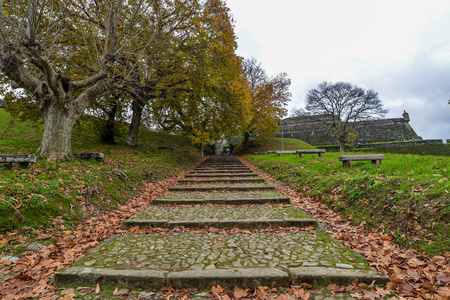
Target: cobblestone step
(220, 171)
(224, 201)
(230, 244)
(222, 175)
(186, 259)
(235, 187)
(248, 217)
(232, 180)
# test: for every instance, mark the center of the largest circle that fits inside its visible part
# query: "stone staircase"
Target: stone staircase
(230, 228)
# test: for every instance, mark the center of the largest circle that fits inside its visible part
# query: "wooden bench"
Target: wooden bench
(89, 155)
(286, 152)
(320, 152)
(272, 151)
(347, 159)
(20, 161)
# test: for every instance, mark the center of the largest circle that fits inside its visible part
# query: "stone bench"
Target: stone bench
(20, 161)
(347, 159)
(286, 152)
(320, 152)
(89, 155)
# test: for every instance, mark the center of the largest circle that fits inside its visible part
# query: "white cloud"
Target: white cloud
(399, 48)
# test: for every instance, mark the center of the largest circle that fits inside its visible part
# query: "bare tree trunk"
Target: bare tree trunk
(341, 146)
(58, 125)
(133, 131)
(246, 140)
(108, 131)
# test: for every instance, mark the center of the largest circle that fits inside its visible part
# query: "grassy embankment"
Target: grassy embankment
(272, 144)
(74, 189)
(408, 195)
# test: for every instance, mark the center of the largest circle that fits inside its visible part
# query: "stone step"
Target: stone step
(232, 180)
(222, 175)
(220, 171)
(246, 217)
(235, 187)
(203, 259)
(223, 201)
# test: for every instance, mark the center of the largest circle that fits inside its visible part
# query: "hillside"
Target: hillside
(74, 189)
(272, 144)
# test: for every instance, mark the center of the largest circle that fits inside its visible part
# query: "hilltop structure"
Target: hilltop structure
(314, 130)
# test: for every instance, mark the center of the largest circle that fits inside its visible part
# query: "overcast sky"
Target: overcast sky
(401, 49)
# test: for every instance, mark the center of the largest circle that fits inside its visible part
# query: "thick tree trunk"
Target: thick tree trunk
(58, 125)
(246, 140)
(133, 131)
(341, 146)
(109, 129)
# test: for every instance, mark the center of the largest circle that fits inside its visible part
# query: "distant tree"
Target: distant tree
(344, 103)
(269, 97)
(299, 112)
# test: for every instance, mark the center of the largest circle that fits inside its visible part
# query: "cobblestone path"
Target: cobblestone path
(225, 226)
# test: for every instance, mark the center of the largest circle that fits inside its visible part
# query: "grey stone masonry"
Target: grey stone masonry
(347, 159)
(20, 161)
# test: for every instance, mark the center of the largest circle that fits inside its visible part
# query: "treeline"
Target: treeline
(168, 63)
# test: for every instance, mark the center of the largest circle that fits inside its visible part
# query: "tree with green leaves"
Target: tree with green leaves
(269, 96)
(44, 42)
(211, 98)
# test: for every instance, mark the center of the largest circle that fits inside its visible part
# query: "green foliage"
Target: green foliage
(35, 196)
(407, 196)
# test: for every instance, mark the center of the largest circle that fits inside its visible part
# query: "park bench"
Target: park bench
(286, 152)
(347, 159)
(272, 151)
(320, 152)
(89, 155)
(20, 161)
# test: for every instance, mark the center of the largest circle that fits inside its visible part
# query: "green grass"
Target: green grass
(408, 195)
(273, 144)
(33, 197)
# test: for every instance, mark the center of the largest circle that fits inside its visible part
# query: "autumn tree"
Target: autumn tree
(344, 103)
(211, 98)
(269, 95)
(63, 54)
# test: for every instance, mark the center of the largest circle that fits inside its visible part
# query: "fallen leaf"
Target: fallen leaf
(216, 290)
(335, 288)
(239, 293)
(97, 289)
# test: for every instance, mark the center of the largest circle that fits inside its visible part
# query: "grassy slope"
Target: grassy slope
(408, 195)
(47, 190)
(273, 144)
(437, 150)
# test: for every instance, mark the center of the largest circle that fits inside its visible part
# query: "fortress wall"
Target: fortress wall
(312, 130)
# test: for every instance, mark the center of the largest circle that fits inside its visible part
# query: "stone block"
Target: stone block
(251, 223)
(323, 276)
(228, 278)
(142, 279)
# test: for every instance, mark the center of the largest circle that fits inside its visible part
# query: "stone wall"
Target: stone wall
(314, 130)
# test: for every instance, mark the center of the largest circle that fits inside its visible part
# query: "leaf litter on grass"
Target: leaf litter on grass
(413, 275)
